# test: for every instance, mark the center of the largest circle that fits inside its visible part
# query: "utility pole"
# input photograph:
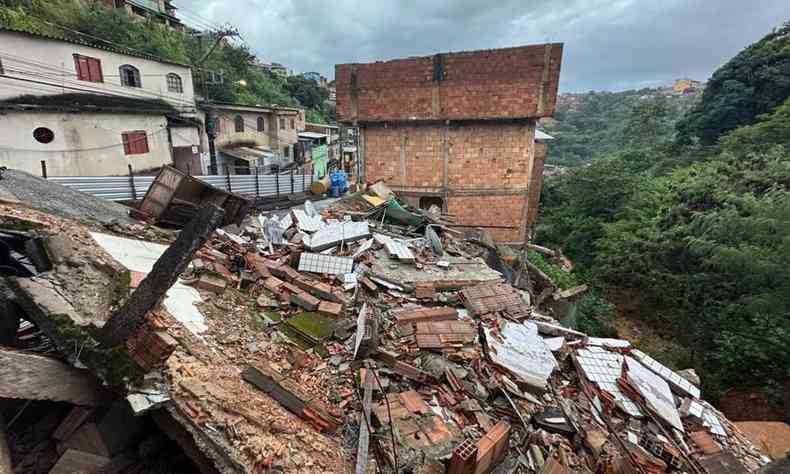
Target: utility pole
(211, 118)
(219, 35)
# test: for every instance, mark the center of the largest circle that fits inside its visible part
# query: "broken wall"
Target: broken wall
(482, 170)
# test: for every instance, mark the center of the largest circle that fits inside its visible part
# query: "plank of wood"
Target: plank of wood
(35, 377)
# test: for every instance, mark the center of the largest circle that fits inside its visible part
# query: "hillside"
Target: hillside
(241, 83)
(595, 123)
(687, 234)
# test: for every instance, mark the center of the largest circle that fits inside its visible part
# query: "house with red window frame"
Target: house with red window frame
(85, 108)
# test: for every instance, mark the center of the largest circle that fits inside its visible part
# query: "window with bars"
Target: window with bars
(239, 122)
(174, 83)
(261, 124)
(88, 69)
(282, 124)
(135, 143)
(130, 76)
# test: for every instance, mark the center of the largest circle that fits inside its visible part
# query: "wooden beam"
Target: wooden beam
(35, 377)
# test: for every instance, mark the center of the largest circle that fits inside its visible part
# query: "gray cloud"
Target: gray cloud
(609, 44)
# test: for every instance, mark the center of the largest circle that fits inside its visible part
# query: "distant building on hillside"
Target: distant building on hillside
(162, 11)
(316, 77)
(278, 70)
(686, 86)
(259, 65)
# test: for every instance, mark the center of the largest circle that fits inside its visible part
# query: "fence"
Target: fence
(132, 188)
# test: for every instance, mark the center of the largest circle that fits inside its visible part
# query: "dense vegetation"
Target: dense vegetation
(697, 223)
(77, 19)
(598, 123)
(752, 83)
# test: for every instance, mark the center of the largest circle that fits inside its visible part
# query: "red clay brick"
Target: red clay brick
(330, 309)
(499, 83)
(305, 300)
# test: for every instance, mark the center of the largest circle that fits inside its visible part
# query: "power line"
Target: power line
(81, 86)
(127, 48)
(181, 108)
(199, 17)
(59, 74)
(126, 89)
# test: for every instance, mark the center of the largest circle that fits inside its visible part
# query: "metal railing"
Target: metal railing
(133, 188)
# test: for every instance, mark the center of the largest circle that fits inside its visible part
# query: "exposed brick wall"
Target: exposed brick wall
(536, 183)
(480, 155)
(486, 159)
(491, 155)
(493, 211)
(497, 83)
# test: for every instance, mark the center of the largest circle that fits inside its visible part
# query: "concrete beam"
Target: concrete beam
(35, 377)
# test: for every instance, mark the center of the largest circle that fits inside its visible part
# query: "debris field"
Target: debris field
(367, 337)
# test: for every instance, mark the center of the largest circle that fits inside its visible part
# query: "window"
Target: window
(88, 69)
(239, 121)
(130, 76)
(174, 83)
(214, 77)
(43, 135)
(293, 126)
(135, 143)
(261, 124)
(282, 124)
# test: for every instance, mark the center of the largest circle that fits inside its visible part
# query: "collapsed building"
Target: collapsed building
(354, 338)
(457, 130)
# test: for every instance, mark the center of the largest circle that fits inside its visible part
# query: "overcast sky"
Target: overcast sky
(609, 44)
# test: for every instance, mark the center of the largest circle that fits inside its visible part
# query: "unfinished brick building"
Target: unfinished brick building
(456, 129)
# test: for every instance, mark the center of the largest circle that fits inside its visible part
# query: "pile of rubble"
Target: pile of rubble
(371, 336)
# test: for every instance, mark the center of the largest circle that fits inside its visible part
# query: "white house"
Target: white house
(87, 108)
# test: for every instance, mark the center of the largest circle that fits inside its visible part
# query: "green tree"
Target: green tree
(752, 83)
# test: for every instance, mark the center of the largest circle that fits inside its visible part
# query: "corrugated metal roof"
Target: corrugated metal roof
(91, 44)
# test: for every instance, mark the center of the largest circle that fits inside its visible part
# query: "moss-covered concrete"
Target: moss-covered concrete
(74, 335)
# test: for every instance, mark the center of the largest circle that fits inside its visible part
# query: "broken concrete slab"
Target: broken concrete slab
(519, 349)
(138, 255)
(655, 390)
(35, 377)
(333, 234)
(463, 271)
(306, 222)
